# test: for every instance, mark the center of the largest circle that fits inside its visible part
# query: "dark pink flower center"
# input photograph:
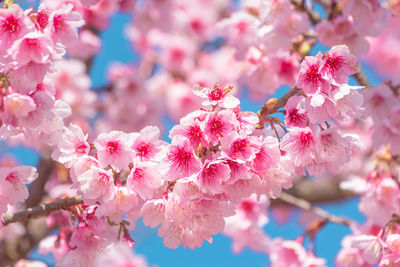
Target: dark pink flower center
(144, 149)
(177, 54)
(312, 74)
(138, 174)
(287, 67)
(195, 133)
(58, 22)
(113, 147)
(32, 42)
(216, 94)
(10, 25)
(239, 146)
(12, 178)
(210, 170)
(247, 206)
(242, 26)
(306, 139)
(197, 25)
(216, 127)
(377, 100)
(334, 63)
(180, 157)
(81, 148)
(296, 118)
(103, 178)
(42, 19)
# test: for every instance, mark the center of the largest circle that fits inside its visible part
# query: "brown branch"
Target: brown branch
(273, 105)
(41, 210)
(361, 77)
(36, 190)
(13, 250)
(315, 18)
(301, 203)
(312, 15)
(319, 190)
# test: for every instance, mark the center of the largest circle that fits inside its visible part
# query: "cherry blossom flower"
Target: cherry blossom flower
(310, 78)
(63, 24)
(181, 160)
(372, 247)
(114, 149)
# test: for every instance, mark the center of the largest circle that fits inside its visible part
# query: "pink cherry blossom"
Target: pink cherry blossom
(296, 115)
(63, 24)
(144, 179)
(212, 175)
(190, 127)
(181, 159)
(14, 23)
(301, 144)
(219, 124)
(371, 246)
(73, 145)
(35, 47)
(217, 96)
(310, 78)
(240, 147)
(338, 64)
(147, 145)
(12, 185)
(113, 149)
(393, 247)
(95, 184)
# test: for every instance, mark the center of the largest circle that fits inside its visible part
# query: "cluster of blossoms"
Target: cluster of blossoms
(313, 141)
(217, 157)
(377, 241)
(222, 166)
(383, 53)
(31, 42)
(383, 106)
(352, 22)
(262, 34)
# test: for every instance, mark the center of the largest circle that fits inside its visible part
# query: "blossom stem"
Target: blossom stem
(281, 102)
(41, 210)
(361, 78)
(301, 203)
(313, 16)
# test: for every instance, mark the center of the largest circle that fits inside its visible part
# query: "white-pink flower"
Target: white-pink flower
(64, 23)
(372, 247)
(181, 160)
(212, 175)
(217, 96)
(338, 64)
(301, 144)
(12, 185)
(113, 149)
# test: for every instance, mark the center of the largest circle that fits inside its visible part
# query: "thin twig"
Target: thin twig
(268, 109)
(301, 203)
(41, 210)
(361, 78)
(312, 15)
(36, 190)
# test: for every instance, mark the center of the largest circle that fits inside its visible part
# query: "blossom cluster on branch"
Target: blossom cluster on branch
(223, 168)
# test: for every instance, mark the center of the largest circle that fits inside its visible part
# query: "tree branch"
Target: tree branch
(312, 15)
(271, 107)
(41, 210)
(361, 77)
(301, 203)
(319, 190)
(36, 189)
